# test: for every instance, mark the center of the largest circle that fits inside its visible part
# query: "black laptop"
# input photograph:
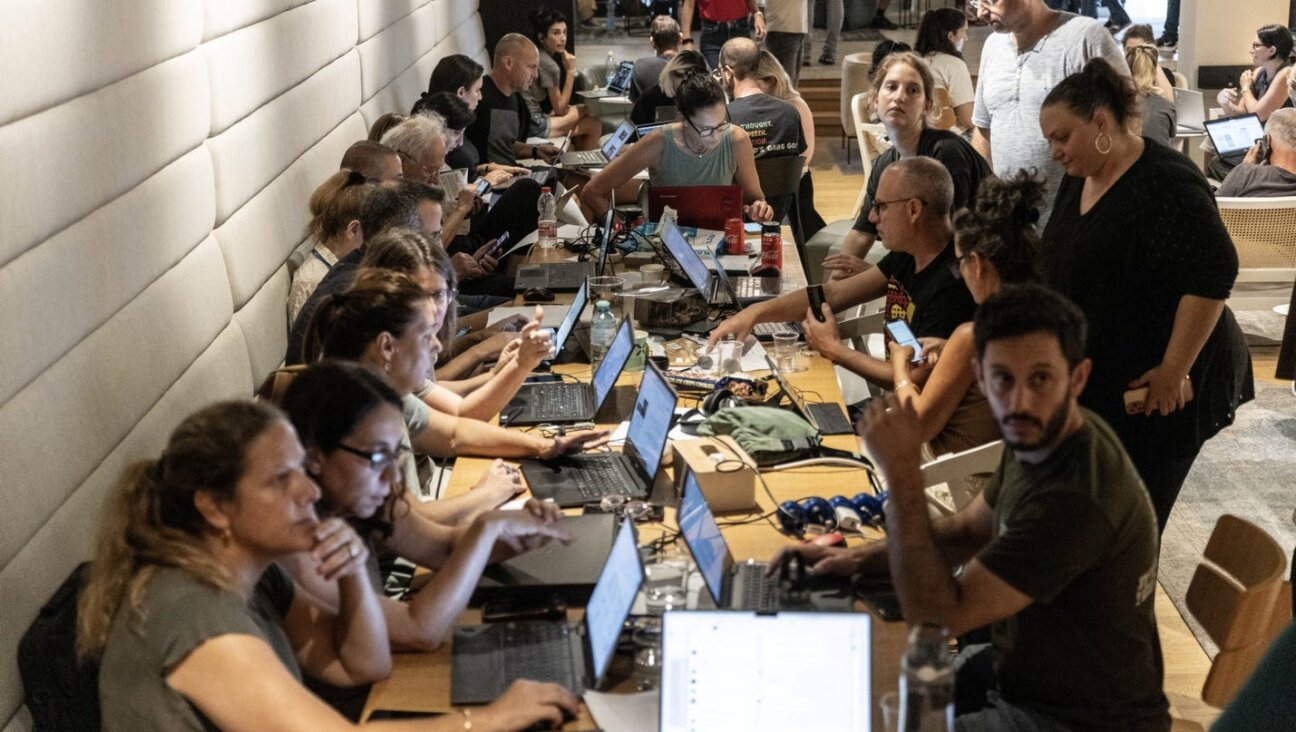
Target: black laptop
(617, 87)
(575, 480)
(716, 289)
(1234, 136)
(827, 417)
(487, 658)
(744, 585)
(571, 401)
(555, 569)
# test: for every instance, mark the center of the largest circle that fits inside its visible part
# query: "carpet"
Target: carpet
(1248, 470)
(1262, 327)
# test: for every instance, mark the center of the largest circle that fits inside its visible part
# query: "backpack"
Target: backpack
(61, 691)
(769, 435)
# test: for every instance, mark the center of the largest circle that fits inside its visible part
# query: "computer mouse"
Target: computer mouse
(537, 294)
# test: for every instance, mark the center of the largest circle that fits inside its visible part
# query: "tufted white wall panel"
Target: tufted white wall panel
(166, 150)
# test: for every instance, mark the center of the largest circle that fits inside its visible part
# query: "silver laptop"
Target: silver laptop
(1190, 110)
(617, 87)
(726, 670)
(604, 155)
(717, 289)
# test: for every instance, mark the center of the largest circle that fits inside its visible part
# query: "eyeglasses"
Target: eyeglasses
(976, 5)
(879, 206)
(428, 176)
(1257, 45)
(379, 460)
(709, 131)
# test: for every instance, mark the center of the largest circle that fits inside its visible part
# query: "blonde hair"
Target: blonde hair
(336, 203)
(770, 72)
(152, 522)
(1145, 67)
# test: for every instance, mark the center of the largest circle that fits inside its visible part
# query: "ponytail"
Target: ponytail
(152, 521)
(1000, 226)
(379, 301)
(337, 202)
(1097, 85)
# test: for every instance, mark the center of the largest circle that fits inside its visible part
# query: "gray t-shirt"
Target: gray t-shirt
(1158, 119)
(646, 72)
(1258, 181)
(178, 614)
(1011, 87)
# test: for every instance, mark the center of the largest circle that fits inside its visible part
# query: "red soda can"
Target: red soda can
(733, 236)
(771, 255)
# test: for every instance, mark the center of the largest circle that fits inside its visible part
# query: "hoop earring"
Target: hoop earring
(387, 367)
(1099, 148)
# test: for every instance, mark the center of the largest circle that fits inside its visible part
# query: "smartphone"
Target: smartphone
(483, 186)
(1136, 398)
(899, 330)
(815, 294)
(500, 241)
(1262, 154)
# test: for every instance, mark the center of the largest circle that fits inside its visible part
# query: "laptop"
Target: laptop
(706, 207)
(554, 569)
(744, 585)
(617, 87)
(1233, 136)
(568, 401)
(718, 289)
(827, 417)
(553, 276)
(603, 156)
(642, 130)
(485, 659)
(791, 671)
(575, 480)
(1190, 111)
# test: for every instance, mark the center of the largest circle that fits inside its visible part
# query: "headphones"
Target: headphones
(721, 398)
(838, 512)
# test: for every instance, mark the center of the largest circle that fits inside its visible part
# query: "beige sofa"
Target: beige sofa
(157, 158)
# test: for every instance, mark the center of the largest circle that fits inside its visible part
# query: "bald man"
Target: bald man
(503, 123)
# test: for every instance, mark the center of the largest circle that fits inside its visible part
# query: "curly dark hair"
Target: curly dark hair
(1000, 226)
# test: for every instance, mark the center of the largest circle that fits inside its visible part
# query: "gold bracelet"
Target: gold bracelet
(467, 718)
(903, 383)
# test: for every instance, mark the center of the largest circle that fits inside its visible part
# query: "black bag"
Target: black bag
(62, 693)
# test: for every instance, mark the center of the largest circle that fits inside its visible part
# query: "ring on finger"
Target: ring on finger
(352, 550)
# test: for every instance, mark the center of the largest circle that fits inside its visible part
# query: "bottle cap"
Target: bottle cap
(545, 189)
(602, 305)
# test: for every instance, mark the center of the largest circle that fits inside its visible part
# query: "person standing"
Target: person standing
(941, 36)
(1170, 34)
(785, 29)
(720, 21)
(835, 15)
(664, 37)
(1031, 50)
(1136, 241)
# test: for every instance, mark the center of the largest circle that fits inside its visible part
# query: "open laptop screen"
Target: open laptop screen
(689, 261)
(573, 315)
(650, 421)
(621, 81)
(613, 596)
(613, 146)
(1233, 135)
(613, 362)
(609, 221)
(803, 671)
(702, 536)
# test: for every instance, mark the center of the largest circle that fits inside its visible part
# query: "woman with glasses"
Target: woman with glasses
(701, 149)
(904, 97)
(1260, 89)
(1136, 241)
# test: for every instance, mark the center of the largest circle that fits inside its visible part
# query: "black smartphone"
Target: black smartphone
(1262, 154)
(815, 294)
(499, 244)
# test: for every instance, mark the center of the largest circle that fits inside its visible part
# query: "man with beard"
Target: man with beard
(1059, 554)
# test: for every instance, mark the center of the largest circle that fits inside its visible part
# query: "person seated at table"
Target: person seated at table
(918, 277)
(375, 160)
(388, 321)
(996, 245)
(503, 122)
(1270, 176)
(773, 80)
(773, 124)
(1141, 35)
(662, 94)
(549, 96)
(702, 149)
(383, 124)
(349, 422)
(1157, 116)
(335, 228)
(664, 37)
(461, 76)
(903, 93)
(1058, 554)
(1262, 89)
(196, 627)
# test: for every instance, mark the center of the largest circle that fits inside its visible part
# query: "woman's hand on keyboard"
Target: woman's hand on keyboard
(525, 704)
(520, 531)
(575, 442)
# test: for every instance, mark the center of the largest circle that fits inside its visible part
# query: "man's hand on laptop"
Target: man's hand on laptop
(503, 174)
(547, 152)
(824, 560)
(738, 325)
(574, 442)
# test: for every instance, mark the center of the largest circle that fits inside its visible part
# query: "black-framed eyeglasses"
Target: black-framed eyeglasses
(709, 131)
(379, 460)
(879, 206)
(1257, 45)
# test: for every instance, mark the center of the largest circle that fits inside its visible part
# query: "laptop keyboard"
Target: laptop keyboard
(830, 418)
(772, 329)
(601, 475)
(584, 157)
(559, 401)
(755, 591)
(540, 651)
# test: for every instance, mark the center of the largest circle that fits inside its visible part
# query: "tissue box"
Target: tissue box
(727, 490)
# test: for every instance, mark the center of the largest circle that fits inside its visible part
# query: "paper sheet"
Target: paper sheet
(618, 435)
(553, 314)
(635, 712)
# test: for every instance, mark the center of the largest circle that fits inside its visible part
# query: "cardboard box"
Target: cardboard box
(726, 487)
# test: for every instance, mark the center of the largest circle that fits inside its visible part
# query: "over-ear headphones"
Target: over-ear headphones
(719, 399)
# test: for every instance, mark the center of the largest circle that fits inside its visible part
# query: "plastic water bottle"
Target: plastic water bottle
(609, 66)
(602, 331)
(927, 681)
(547, 226)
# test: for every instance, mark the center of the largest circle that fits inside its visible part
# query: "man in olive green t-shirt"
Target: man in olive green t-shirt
(1059, 553)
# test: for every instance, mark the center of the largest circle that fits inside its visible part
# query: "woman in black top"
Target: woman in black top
(1136, 241)
(904, 94)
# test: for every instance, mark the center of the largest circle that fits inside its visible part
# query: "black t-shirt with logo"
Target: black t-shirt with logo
(501, 121)
(773, 125)
(934, 301)
(964, 163)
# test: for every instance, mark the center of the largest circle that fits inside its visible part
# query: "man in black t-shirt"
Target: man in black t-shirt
(773, 124)
(1059, 553)
(919, 278)
(503, 123)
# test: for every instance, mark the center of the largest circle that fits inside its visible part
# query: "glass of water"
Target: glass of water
(666, 583)
(786, 346)
(608, 288)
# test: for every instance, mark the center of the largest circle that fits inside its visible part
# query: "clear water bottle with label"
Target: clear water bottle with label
(610, 66)
(602, 331)
(927, 681)
(547, 227)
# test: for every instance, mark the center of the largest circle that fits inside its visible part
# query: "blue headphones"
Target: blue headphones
(848, 514)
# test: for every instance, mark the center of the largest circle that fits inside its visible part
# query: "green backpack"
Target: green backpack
(769, 435)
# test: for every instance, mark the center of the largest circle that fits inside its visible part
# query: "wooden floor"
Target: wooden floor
(1186, 664)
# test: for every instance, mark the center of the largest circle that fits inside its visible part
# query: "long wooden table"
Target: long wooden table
(420, 682)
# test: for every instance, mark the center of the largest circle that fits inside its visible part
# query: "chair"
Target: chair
(780, 181)
(946, 477)
(943, 113)
(1261, 229)
(855, 79)
(1240, 597)
(664, 114)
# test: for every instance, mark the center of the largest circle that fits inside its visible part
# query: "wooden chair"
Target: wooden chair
(1261, 229)
(1240, 597)
(943, 117)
